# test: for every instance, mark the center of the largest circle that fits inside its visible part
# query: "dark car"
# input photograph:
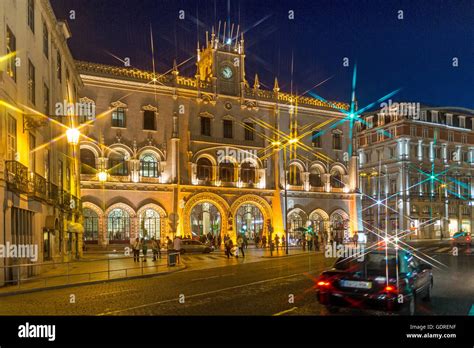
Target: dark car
(364, 284)
(461, 238)
(194, 246)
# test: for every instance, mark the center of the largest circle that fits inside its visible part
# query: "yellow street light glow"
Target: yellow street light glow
(294, 140)
(276, 143)
(102, 176)
(72, 135)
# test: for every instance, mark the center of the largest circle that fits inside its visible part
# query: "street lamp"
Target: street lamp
(72, 135)
(102, 176)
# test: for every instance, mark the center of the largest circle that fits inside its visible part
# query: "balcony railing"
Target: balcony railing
(53, 193)
(16, 176)
(38, 186)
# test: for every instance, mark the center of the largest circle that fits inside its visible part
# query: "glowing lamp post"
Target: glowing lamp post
(72, 135)
(102, 176)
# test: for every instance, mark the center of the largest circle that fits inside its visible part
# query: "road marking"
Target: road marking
(216, 276)
(279, 266)
(442, 250)
(200, 294)
(284, 312)
(471, 312)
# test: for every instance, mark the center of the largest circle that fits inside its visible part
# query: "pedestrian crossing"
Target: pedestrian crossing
(462, 249)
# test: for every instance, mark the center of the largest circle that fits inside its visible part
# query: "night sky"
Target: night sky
(415, 54)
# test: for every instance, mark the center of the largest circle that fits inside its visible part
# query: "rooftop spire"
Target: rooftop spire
(276, 88)
(175, 71)
(256, 83)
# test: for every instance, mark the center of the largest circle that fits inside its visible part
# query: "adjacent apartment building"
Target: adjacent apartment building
(416, 170)
(39, 178)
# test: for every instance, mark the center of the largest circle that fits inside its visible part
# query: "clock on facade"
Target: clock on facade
(226, 72)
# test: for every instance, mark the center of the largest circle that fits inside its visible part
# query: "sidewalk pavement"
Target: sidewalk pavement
(90, 269)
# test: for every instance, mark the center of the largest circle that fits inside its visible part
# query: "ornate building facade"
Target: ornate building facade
(416, 170)
(39, 176)
(171, 155)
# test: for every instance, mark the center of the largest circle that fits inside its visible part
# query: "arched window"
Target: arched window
(296, 227)
(87, 162)
(315, 179)
(118, 226)
(247, 172)
(150, 224)
(294, 175)
(205, 219)
(149, 166)
(226, 171)
(336, 179)
(204, 169)
(117, 164)
(249, 221)
(91, 225)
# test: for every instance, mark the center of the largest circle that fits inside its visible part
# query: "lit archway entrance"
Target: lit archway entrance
(318, 221)
(249, 221)
(296, 226)
(340, 225)
(150, 224)
(118, 226)
(91, 226)
(205, 219)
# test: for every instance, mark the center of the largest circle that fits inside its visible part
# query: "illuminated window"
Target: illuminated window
(247, 172)
(118, 118)
(226, 171)
(11, 48)
(204, 169)
(149, 166)
(11, 138)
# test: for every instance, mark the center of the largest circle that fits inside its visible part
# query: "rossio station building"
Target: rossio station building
(169, 155)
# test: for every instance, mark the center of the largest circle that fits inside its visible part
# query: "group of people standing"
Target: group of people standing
(142, 245)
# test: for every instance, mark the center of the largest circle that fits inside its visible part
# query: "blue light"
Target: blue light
(229, 41)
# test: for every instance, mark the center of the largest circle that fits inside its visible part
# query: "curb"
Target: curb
(55, 287)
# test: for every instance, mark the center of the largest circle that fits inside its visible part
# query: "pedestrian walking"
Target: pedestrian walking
(144, 248)
(316, 243)
(219, 241)
(169, 243)
(136, 250)
(257, 240)
(156, 248)
(277, 242)
(241, 245)
(309, 241)
(355, 238)
(228, 247)
(264, 241)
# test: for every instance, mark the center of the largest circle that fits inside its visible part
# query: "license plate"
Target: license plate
(356, 284)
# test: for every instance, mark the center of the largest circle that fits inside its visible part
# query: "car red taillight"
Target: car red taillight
(323, 283)
(390, 288)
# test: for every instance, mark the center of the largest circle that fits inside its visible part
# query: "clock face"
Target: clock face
(226, 72)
